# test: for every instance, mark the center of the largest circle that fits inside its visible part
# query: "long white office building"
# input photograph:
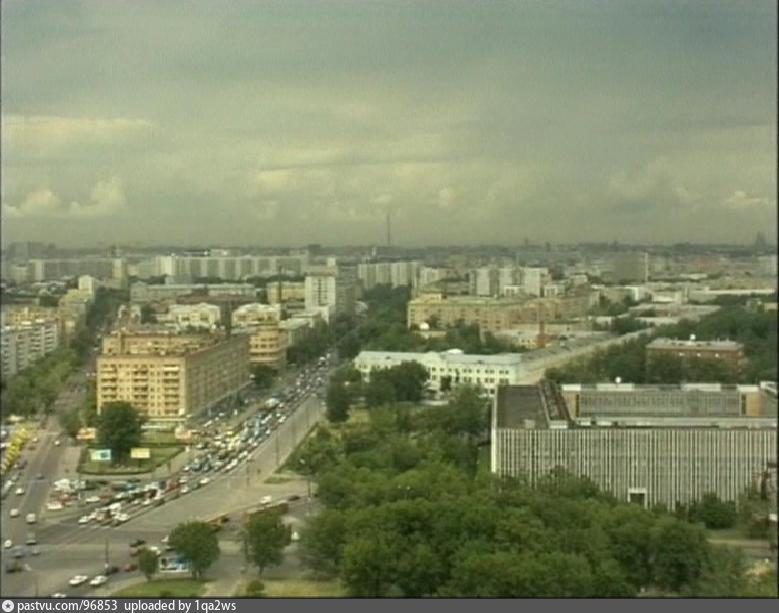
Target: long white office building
(645, 444)
(450, 368)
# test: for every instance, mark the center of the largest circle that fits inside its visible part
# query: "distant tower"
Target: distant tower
(389, 230)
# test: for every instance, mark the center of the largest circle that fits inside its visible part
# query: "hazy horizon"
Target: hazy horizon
(286, 123)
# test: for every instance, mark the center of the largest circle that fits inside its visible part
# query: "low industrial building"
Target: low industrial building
(647, 444)
(730, 353)
(449, 368)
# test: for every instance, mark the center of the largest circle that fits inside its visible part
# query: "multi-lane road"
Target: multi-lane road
(68, 549)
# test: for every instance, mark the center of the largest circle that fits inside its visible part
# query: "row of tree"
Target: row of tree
(410, 511)
(757, 331)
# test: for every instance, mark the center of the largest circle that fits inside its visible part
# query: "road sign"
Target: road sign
(100, 455)
(140, 453)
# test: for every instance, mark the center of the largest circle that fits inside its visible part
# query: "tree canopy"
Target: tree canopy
(265, 537)
(119, 428)
(196, 542)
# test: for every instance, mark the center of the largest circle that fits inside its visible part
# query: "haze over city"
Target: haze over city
(293, 122)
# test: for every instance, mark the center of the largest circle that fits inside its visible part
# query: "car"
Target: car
(92, 499)
(31, 518)
(8, 544)
(14, 513)
(84, 519)
(59, 595)
(40, 477)
(128, 568)
(35, 440)
(54, 506)
(137, 543)
(98, 581)
(77, 580)
(266, 499)
(18, 552)
(204, 481)
(57, 443)
(293, 498)
(19, 491)
(35, 551)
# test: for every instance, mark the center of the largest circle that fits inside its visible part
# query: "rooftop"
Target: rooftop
(453, 355)
(663, 343)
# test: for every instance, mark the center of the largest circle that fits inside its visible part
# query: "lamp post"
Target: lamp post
(308, 477)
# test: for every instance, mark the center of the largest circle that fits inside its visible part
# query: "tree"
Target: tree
(714, 513)
(679, 552)
(148, 563)
(265, 538)
(322, 541)
(71, 422)
(368, 567)
(263, 376)
(148, 314)
(196, 542)
(338, 401)
(255, 589)
(379, 391)
(119, 429)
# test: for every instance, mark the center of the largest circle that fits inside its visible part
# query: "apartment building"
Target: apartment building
(448, 369)
(228, 267)
(395, 274)
(202, 316)
(267, 344)
(170, 376)
(142, 293)
(320, 291)
(631, 266)
(256, 313)
(281, 292)
(494, 314)
(729, 352)
(26, 341)
(645, 444)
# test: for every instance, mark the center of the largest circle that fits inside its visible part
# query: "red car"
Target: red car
(128, 568)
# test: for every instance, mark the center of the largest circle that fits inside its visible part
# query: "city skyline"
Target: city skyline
(297, 122)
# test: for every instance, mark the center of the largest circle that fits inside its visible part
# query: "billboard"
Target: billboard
(100, 455)
(140, 453)
(86, 434)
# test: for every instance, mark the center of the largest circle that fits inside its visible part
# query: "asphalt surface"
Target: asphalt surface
(68, 549)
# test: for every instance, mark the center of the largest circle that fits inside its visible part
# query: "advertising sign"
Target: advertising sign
(100, 455)
(86, 434)
(140, 453)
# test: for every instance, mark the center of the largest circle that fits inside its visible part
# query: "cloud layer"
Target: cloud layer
(289, 122)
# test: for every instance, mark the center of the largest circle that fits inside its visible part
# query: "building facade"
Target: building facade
(640, 452)
(448, 369)
(730, 353)
(169, 376)
(200, 316)
(27, 341)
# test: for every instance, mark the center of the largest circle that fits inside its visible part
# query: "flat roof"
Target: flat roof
(507, 359)
(663, 343)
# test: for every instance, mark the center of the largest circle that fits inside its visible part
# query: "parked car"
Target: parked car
(128, 568)
(14, 513)
(111, 570)
(31, 518)
(98, 581)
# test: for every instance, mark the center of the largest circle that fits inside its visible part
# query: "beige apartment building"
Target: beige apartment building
(494, 314)
(267, 345)
(170, 376)
(279, 292)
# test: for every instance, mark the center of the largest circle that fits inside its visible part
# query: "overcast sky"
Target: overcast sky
(290, 122)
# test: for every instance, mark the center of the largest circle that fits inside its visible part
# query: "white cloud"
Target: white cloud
(742, 200)
(106, 198)
(44, 134)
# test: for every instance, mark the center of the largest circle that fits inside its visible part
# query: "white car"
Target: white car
(266, 499)
(184, 490)
(54, 506)
(84, 519)
(57, 443)
(14, 513)
(78, 580)
(92, 499)
(205, 481)
(98, 581)
(20, 491)
(8, 544)
(31, 518)
(59, 595)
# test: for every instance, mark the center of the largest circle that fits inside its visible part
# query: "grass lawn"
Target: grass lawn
(301, 588)
(183, 588)
(158, 437)
(159, 456)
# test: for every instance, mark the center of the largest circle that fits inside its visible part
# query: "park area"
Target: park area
(162, 588)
